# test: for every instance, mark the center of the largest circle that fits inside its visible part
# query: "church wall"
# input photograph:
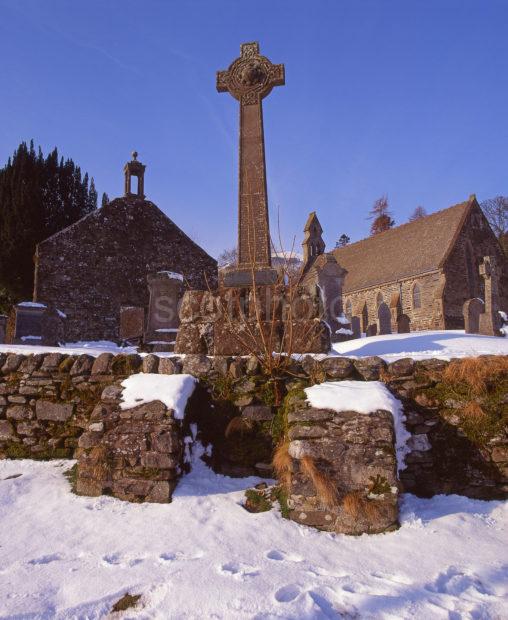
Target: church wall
(420, 318)
(101, 263)
(475, 241)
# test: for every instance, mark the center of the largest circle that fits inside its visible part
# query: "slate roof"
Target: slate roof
(407, 250)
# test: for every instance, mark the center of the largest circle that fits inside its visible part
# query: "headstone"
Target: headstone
(166, 292)
(384, 319)
(490, 320)
(472, 310)
(371, 330)
(249, 79)
(25, 325)
(403, 324)
(132, 323)
(356, 327)
(3, 327)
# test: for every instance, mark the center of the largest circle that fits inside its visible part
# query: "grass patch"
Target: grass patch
(126, 602)
(257, 501)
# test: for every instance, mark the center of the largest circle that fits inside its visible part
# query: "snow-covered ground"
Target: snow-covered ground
(424, 345)
(418, 345)
(204, 556)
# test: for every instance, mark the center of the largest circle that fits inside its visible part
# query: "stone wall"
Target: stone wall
(48, 401)
(89, 270)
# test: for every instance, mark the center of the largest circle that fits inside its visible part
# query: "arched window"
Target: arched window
(365, 318)
(349, 309)
(379, 299)
(417, 296)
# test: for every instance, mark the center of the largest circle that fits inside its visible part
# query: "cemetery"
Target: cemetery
(341, 397)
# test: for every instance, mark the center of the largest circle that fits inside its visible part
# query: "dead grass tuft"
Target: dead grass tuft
(474, 412)
(355, 504)
(325, 488)
(282, 464)
(477, 372)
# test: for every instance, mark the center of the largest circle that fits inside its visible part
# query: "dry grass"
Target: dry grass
(477, 372)
(474, 412)
(325, 488)
(282, 464)
(355, 504)
(238, 425)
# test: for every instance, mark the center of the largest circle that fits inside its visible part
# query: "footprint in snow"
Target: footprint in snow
(394, 578)
(238, 570)
(178, 555)
(286, 594)
(115, 559)
(280, 556)
(47, 559)
(455, 582)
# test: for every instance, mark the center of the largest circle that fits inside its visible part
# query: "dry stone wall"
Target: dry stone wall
(61, 406)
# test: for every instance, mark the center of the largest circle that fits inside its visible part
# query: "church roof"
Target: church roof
(407, 250)
(312, 219)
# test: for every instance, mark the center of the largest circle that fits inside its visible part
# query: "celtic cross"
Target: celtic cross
(249, 79)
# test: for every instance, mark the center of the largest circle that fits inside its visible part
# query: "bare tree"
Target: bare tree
(381, 216)
(418, 213)
(496, 211)
(228, 257)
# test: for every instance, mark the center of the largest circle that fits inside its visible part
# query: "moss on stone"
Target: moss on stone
(257, 501)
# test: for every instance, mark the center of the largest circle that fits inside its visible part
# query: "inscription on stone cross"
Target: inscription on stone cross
(249, 79)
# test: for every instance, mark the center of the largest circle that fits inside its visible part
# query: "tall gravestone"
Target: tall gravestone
(3, 327)
(249, 79)
(166, 291)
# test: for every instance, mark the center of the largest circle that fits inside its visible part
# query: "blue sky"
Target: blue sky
(403, 97)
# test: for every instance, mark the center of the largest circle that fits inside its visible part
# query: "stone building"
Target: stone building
(419, 275)
(100, 264)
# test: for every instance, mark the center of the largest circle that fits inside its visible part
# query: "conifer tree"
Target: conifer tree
(105, 199)
(38, 197)
(418, 213)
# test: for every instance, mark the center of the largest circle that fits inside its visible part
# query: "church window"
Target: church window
(417, 296)
(379, 299)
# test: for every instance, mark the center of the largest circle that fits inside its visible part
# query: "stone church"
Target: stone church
(417, 276)
(101, 263)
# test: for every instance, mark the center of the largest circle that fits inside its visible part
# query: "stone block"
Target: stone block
(19, 412)
(82, 366)
(258, 413)
(12, 363)
(337, 367)
(6, 431)
(170, 366)
(54, 412)
(102, 364)
(196, 365)
(150, 364)
(369, 368)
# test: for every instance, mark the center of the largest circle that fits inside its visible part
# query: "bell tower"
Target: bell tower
(134, 168)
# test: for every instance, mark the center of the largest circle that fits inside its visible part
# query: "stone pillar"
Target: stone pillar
(490, 320)
(166, 291)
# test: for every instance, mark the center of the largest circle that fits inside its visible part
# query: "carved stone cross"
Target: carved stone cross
(249, 79)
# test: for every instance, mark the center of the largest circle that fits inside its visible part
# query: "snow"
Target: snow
(363, 397)
(343, 330)
(173, 390)
(172, 275)
(443, 345)
(204, 556)
(71, 348)
(167, 330)
(343, 320)
(24, 338)
(31, 304)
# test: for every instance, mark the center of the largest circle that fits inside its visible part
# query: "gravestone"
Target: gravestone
(3, 327)
(249, 79)
(166, 292)
(371, 330)
(384, 319)
(472, 310)
(25, 323)
(356, 327)
(403, 324)
(132, 324)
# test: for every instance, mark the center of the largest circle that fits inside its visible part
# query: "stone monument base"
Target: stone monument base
(243, 321)
(244, 276)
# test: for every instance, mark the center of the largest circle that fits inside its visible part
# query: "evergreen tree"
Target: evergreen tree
(105, 199)
(38, 197)
(343, 240)
(381, 216)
